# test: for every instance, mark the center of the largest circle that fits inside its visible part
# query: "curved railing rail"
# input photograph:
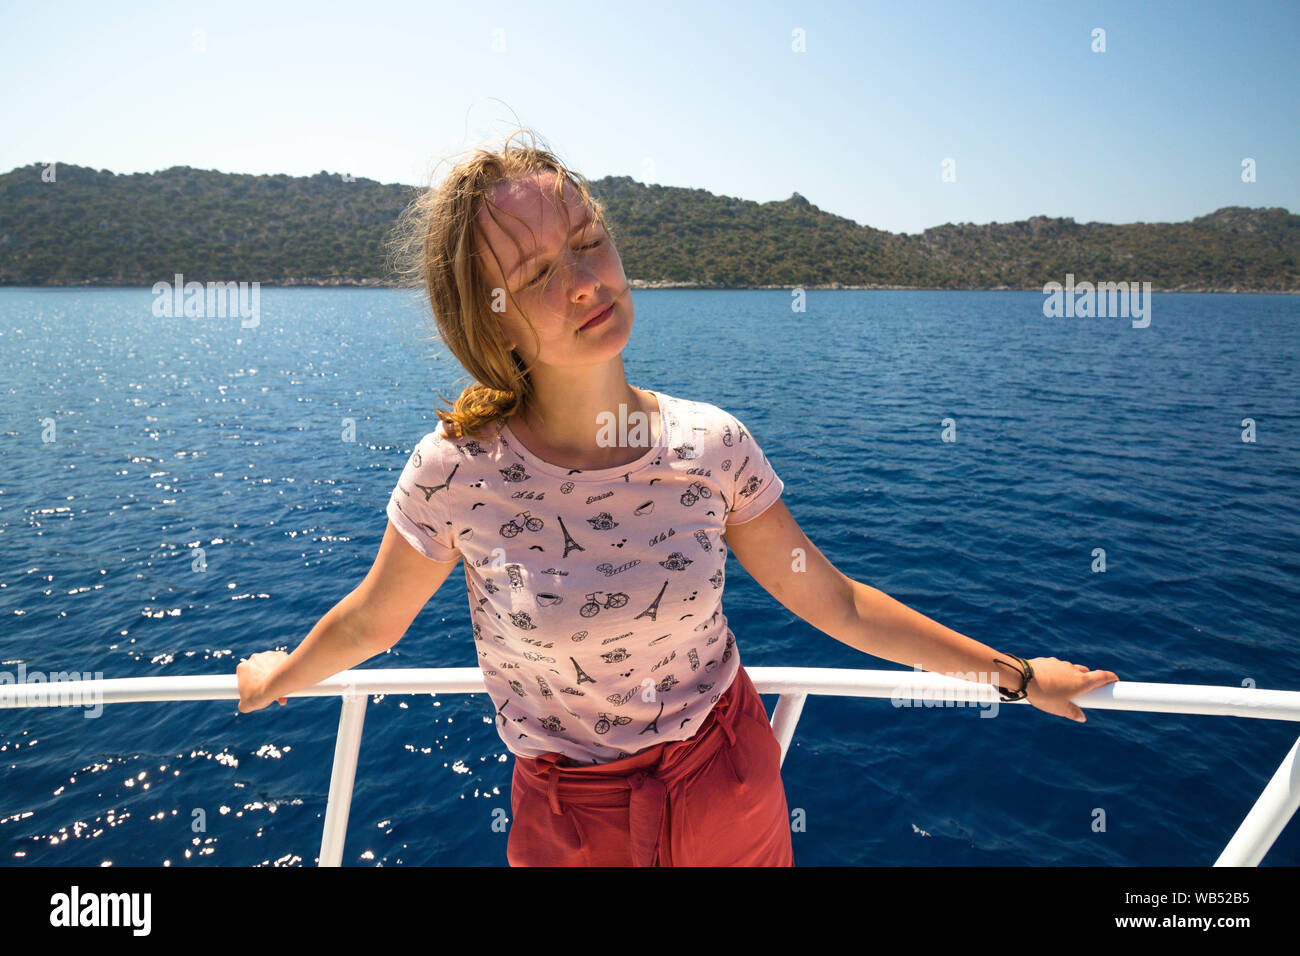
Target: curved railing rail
(1257, 833)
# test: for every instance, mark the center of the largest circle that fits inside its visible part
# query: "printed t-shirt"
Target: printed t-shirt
(595, 595)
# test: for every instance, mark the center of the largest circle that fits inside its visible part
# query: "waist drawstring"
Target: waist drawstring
(648, 801)
(646, 807)
(553, 786)
(731, 751)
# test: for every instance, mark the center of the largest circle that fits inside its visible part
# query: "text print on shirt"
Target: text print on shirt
(595, 596)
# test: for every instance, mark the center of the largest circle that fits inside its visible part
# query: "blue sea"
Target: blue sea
(129, 439)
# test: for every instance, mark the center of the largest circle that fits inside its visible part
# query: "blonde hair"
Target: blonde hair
(438, 245)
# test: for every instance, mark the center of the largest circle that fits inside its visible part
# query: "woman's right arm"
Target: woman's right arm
(370, 619)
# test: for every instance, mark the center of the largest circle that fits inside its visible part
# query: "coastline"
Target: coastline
(338, 282)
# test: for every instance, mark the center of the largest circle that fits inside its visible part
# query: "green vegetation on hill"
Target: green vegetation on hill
(92, 227)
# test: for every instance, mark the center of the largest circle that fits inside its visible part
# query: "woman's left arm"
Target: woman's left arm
(779, 556)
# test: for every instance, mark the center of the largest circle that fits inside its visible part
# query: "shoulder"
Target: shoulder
(430, 455)
(703, 425)
(690, 419)
(432, 443)
(442, 447)
(710, 436)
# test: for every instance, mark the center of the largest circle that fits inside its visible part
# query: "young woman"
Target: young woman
(594, 520)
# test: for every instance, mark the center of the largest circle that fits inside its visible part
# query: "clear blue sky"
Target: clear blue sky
(707, 96)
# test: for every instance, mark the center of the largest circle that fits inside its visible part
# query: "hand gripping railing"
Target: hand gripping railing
(1266, 820)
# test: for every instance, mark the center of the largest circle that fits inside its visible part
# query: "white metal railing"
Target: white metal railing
(1261, 827)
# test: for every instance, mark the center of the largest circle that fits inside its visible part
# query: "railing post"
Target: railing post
(347, 744)
(1268, 817)
(785, 718)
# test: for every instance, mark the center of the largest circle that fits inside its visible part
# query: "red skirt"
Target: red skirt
(714, 799)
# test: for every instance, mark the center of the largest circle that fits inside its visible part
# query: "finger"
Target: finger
(1077, 715)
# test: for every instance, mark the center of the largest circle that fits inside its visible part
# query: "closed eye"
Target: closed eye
(543, 273)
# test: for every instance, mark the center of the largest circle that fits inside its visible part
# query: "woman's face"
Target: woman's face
(558, 281)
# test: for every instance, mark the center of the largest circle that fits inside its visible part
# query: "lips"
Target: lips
(598, 315)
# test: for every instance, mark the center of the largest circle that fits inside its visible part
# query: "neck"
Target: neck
(570, 407)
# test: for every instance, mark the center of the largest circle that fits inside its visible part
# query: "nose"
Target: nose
(583, 282)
